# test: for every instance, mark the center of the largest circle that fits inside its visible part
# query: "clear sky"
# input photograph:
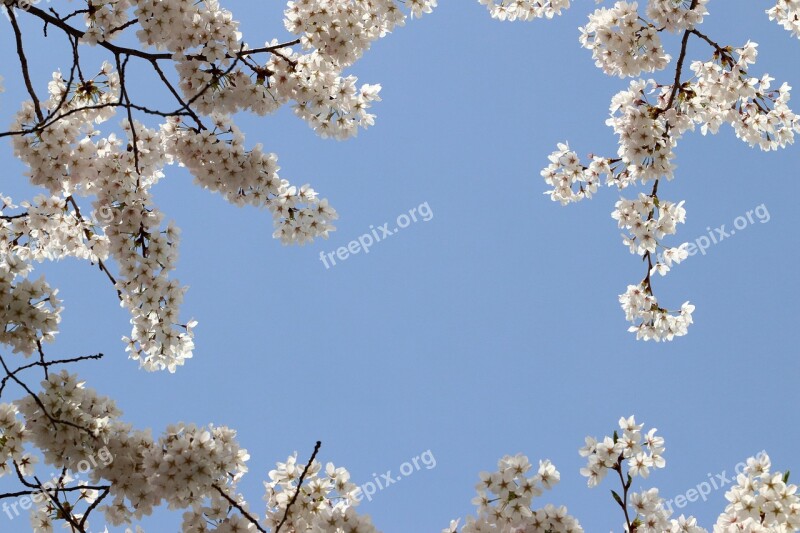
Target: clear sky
(494, 327)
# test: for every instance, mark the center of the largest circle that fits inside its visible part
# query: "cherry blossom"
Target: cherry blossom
(525, 9)
(787, 14)
(760, 502)
(621, 44)
(650, 118)
(95, 153)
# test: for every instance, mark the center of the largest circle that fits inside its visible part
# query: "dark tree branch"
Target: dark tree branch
(233, 503)
(299, 486)
(23, 63)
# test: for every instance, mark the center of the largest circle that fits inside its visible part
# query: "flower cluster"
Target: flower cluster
(188, 461)
(650, 320)
(333, 34)
(343, 30)
(572, 181)
(505, 496)
(761, 501)
(676, 15)
(639, 452)
(647, 136)
(652, 517)
(50, 230)
(219, 162)
(524, 9)
(203, 28)
(787, 14)
(621, 44)
(104, 18)
(325, 501)
(188, 467)
(650, 118)
(723, 92)
(331, 105)
(69, 160)
(30, 311)
(61, 143)
(648, 220)
(12, 437)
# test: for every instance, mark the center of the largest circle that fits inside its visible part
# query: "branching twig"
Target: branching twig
(299, 486)
(239, 508)
(23, 63)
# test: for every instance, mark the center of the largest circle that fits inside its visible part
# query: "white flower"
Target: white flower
(675, 15)
(787, 14)
(525, 9)
(621, 44)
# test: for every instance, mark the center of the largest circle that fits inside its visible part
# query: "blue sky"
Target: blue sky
(491, 329)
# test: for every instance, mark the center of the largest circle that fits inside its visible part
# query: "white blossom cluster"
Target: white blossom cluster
(676, 15)
(182, 28)
(188, 461)
(505, 497)
(761, 501)
(12, 437)
(211, 57)
(68, 160)
(30, 311)
(331, 105)
(197, 468)
(723, 92)
(787, 14)
(185, 468)
(650, 320)
(647, 138)
(205, 42)
(103, 17)
(47, 230)
(72, 158)
(648, 220)
(343, 29)
(650, 118)
(638, 452)
(525, 9)
(650, 513)
(220, 163)
(50, 229)
(621, 44)
(325, 502)
(646, 142)
(572, 181)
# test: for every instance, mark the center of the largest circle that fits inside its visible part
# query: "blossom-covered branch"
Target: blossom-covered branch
(762, 501)
(650, 118)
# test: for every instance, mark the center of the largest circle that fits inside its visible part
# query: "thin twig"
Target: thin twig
(23, 63)
(238, 507)
(299, 486)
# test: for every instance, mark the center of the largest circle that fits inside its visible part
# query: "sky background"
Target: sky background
(493, 328)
